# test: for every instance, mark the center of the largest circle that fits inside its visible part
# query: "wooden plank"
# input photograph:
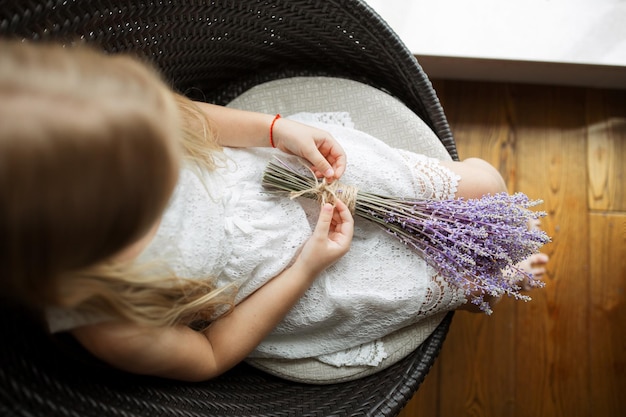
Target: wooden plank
(552, 370)
(607, 338)
(564, 353)
(478, 114)
(606, 124)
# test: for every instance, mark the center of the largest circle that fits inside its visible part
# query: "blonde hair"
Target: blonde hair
(90, 148)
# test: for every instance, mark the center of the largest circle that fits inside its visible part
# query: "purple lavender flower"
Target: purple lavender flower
(474, 244)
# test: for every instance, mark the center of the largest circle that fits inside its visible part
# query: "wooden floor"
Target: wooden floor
(563, 353)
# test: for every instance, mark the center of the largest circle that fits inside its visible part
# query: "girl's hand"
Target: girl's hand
(331, 238)
(240, 128)
(315, 145)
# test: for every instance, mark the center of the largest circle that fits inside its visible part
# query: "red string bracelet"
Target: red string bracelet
(272, 130)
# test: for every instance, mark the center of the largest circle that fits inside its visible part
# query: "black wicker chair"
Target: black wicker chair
(214, 50)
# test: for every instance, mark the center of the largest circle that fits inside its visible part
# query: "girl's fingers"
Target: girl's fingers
(321, 165)
(344, 222)
(325, 218)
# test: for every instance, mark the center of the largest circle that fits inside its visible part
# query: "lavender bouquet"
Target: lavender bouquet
(474, 244)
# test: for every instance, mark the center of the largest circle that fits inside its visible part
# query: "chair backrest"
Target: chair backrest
(214, 51)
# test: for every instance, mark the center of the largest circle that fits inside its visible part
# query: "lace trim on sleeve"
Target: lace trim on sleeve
(434, 181)
(441, 296)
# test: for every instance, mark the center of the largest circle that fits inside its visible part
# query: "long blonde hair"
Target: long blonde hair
(90, 148)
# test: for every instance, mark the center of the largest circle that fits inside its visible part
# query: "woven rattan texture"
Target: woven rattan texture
(42, 376)
(215, 50)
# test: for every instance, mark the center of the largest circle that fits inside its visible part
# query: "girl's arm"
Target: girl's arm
(478, 178)
(181, 353)
(240, 128)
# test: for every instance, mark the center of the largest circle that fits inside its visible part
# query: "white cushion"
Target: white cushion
(383, 116)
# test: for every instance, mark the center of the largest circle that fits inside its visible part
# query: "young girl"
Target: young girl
(136, 218)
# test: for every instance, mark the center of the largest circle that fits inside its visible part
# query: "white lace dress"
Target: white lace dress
(225, 225)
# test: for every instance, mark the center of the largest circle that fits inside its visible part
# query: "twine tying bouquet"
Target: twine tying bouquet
(475, 244)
